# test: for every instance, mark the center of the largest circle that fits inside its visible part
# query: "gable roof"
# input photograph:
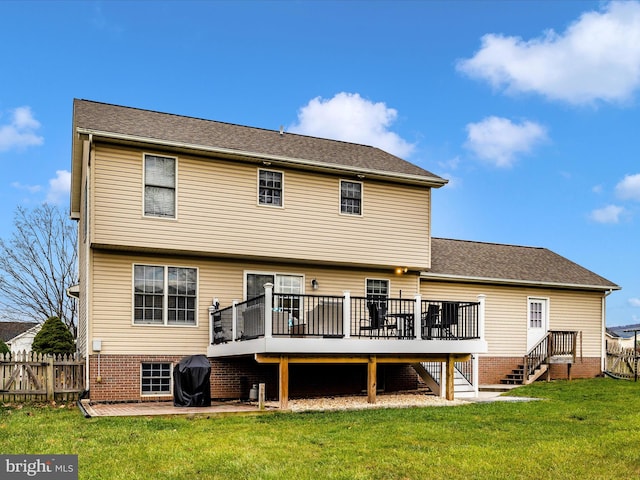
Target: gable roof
(10, 330)
(509, 264)
(126, 124)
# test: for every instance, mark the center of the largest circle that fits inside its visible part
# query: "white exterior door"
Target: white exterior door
(537, 320)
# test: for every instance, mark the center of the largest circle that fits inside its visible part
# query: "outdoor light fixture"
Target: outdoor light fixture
(314, 284)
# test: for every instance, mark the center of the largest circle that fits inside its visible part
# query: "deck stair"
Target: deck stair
(555, 347)
(429, 372)
(516, 377)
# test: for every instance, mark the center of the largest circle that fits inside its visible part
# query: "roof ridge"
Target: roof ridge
(231, 124)
(490, 243)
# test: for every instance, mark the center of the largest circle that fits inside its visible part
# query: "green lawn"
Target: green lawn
(586, 429)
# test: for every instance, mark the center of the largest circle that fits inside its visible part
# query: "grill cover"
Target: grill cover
(191, 383)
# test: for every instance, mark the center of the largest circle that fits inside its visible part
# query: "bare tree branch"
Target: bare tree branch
(37, 265)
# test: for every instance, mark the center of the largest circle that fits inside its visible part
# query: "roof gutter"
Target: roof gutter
(507, 281)
(416, 179)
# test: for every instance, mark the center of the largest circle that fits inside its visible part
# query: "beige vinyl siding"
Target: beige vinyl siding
(113, 298)
(218, 213)
(506, 313)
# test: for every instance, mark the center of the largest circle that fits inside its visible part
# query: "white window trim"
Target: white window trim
(269, 272)
(366, 281)
(165, 323)
(158, 394)
(355, 215)
(269, 205)
(144, 184)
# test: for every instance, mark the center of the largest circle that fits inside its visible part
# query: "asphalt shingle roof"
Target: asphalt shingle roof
(177, 129)
(9, 330)
(491, 261)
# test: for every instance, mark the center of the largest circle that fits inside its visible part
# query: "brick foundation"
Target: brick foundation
(233, 378)
(492, 369)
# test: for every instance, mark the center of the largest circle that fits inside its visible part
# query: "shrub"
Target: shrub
(53, 338)
(3, 348)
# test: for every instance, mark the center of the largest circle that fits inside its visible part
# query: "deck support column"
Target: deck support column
(450, 377)
(372, 373)
(284, 382)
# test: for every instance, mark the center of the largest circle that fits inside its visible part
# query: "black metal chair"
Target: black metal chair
(372, 323)
(430, 321)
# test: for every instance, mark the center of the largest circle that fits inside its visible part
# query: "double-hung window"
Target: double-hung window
(164, 295)
(159, 186)
(350, 197)
(270, 185)
(377, 290)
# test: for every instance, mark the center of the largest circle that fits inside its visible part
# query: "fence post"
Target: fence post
(50, 378)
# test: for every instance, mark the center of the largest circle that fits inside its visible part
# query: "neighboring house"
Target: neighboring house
(622, 337)
(303, 263)
(19, 335)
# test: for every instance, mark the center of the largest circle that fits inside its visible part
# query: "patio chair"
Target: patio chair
(372, 323)
(377, 321)
(431, 320)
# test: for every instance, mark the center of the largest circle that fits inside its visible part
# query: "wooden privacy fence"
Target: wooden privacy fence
(621, 362)
(28, 376)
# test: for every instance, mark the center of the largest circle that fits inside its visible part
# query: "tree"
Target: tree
(54, 337)
(4, 348)
(37, 266)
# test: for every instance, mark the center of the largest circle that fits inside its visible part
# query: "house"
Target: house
(621, 337)
(302, 263)
(19, 335)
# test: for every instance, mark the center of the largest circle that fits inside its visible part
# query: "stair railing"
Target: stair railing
(554, 343)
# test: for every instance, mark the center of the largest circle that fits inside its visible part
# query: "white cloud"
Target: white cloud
(608, 214)
(629, 187)
(20, 132)
(597, 189)
(499, 140)
(596, 58)
(28, 188)
(634, 302)
(59, 187)
(351, 118)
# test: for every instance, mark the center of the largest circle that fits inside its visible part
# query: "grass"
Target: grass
(585, 429)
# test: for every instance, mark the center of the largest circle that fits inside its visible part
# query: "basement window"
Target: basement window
(156, 378)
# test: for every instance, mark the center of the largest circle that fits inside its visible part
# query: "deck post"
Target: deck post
(234, 320)
(268, 310)
(481, 300)
(372, 373)
(211, 310)
(450, 377)
(284, 382)
(346, 314)
(417, 316)
(475, 375)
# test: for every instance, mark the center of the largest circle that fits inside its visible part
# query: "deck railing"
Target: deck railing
(330, 316)
(450, 320)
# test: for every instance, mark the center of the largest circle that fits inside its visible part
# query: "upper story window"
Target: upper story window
(159, 186)
(164, 295)
(350, 197)
(270, 185)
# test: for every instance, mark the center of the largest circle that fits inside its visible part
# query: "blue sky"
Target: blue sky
(530, 109)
